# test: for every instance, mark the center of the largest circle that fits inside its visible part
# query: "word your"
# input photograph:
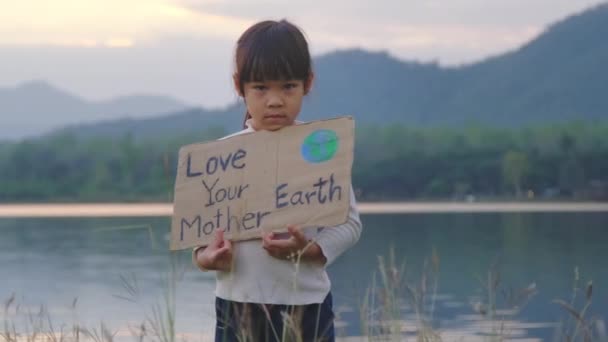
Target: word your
(222, 219)
(215, 163)
(219, 195)
(318, 194)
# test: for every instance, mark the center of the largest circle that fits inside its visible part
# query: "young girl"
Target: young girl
(259, 296)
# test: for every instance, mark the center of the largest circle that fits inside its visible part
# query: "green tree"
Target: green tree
(571, 176)
(515, 166)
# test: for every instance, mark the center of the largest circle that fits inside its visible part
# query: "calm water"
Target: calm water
(55, 261)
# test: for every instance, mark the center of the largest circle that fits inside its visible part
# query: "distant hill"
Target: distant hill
(36, 107)
(559, 76)
(186, 122)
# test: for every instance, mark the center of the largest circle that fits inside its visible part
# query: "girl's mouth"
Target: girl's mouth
(274, 116)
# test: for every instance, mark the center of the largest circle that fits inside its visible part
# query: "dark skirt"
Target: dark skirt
(274, 323)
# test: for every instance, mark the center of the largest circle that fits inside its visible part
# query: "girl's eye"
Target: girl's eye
(260, 87)
(290, 85)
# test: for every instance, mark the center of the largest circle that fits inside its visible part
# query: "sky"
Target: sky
(99, 49)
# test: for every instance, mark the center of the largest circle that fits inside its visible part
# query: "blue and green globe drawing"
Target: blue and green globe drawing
(319, 146)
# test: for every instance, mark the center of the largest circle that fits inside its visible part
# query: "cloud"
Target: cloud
(399, 26)
(453, 32)
(119, 42)
(466, 37)
(65, 22)
(479, 13)
(184, 48)
(190, 68)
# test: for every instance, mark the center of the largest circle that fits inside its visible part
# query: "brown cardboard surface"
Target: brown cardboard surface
(264, 180)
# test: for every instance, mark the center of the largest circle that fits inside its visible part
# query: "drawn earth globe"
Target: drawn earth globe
(320, 146)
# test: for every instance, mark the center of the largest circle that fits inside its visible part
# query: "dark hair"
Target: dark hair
(272, 50)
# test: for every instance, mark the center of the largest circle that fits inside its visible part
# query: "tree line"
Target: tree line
(396, 162)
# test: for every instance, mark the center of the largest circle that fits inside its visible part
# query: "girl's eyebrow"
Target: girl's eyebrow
(290, 80)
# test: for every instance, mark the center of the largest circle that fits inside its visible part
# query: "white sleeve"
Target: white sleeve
(336, 240)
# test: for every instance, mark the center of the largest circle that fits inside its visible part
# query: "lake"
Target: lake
(114, 270)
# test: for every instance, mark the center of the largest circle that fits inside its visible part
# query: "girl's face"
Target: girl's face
(274, 104)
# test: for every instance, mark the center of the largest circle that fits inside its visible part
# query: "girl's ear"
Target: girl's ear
(237, 85)
(308, 83)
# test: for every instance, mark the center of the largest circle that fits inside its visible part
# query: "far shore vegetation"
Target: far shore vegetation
(556, 162)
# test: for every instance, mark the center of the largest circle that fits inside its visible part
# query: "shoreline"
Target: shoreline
(42, 210)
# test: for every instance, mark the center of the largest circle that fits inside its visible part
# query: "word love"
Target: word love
(218, 163)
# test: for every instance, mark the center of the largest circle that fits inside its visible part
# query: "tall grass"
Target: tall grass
(399, 305)
(579, 326)
(391, 294)
(25, 325)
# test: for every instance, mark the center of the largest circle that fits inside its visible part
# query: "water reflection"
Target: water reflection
(57, 261)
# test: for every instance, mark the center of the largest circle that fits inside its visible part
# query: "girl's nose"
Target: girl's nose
(274, 100)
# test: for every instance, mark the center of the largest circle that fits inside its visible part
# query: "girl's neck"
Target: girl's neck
(251, 125)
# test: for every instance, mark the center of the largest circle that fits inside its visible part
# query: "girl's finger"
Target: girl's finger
(224, 250)
(228, 244)
(219, 238)
(296, 233)
(280, 244)
(272, 251)
(265, 240)
(276, 253)
(266, 235)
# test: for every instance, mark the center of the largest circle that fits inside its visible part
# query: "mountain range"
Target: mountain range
(36, 107)
(561, 75)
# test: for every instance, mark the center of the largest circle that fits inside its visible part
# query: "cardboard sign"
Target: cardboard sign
(263, 181)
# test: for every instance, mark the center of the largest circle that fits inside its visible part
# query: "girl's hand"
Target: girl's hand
(218, 255)
(293, 247)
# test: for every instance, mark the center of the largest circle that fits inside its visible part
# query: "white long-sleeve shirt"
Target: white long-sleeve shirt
(257, 277)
